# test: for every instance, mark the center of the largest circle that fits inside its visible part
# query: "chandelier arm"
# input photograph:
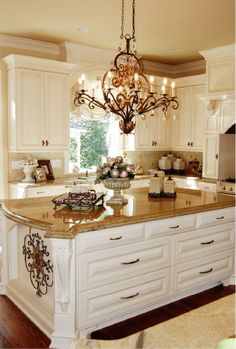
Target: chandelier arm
(92, 102)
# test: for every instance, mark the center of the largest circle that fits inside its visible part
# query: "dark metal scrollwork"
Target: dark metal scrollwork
(37, 263)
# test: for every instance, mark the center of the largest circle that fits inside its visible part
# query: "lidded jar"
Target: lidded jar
(155, 187)
(165, 163)
(169, 187)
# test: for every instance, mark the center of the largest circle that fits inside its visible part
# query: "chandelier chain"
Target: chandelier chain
(123, 17)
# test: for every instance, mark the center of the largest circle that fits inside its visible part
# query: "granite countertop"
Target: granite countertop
(70, 180)
(66, 224)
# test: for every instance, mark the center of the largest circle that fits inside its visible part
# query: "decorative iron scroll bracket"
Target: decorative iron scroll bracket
(37, 263)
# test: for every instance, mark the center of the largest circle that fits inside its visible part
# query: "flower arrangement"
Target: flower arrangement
(29, 162)
(114, 168)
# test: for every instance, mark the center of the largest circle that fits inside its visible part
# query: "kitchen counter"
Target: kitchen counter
(66, 224)
(73, 272)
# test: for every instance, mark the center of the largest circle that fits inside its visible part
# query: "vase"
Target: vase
(28, 171)
(117, 184)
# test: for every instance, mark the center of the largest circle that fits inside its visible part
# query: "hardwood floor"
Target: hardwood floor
(17, 331)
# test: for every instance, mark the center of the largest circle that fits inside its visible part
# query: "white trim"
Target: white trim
(28, 62)
(29, 44)
(217, 96)
(219, 52)
(191, 80)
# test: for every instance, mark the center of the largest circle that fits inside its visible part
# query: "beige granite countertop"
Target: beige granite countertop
(71, 179)
(66, 224)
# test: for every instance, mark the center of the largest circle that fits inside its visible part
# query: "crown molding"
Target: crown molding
(19, 61)
(29, 44)
(219, 52)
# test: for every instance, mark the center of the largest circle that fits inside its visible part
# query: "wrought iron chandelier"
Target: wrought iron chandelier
(126, 91)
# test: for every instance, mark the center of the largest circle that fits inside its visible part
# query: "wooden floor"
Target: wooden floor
(17, 331)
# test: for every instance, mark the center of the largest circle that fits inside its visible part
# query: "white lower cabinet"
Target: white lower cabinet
(202, 270)
(125, 271)
(122, 297)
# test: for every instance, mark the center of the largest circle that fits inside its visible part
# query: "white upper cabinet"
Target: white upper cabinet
(189, 127)
(152, 133)
(38, 96)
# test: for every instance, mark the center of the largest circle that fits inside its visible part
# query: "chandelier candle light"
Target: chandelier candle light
(126, 91)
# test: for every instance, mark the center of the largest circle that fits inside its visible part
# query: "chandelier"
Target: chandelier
(125, 90)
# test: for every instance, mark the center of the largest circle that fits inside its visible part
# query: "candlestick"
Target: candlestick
(173, 89)
(82, 81)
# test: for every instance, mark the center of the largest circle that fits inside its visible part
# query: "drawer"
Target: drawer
(203, 242)
(39, 191)
(207, 186)
(213, 268)
(109, 238)
(206, 219)
(98, 269)
(121, 298)
(170, 225)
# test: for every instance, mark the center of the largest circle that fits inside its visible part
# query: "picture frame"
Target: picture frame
(40, 175)
(46, 165)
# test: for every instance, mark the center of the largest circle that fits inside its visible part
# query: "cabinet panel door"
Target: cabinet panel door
(144, 133)
(198, 119)
(210, 156)
(56, 111)
(30, 108)
(182, 124)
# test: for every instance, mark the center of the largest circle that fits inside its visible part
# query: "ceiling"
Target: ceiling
(167, 31)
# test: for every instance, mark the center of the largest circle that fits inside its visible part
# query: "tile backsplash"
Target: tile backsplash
(57, 162)
(150, 159)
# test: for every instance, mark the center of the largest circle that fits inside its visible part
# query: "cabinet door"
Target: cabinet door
(182, 124)
(198, 119)
(144, 133)
(56, 111)
(29, 105)
(211, 156)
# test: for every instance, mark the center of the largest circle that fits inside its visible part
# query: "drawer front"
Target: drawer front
(192, 274)
(39, 192)
(109, 238)
(206, 219)
(171, 225)
(203, 242)
(207, 186)
(108, 302)
(98, 269)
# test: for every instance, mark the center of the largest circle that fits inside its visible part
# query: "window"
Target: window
(91, 141)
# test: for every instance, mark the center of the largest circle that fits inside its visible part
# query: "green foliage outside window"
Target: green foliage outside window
(93, 143)
(73, 150)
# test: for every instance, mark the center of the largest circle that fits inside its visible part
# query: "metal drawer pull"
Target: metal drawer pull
(40, 192)
(132, 262)
(208, 242)
(128, 297)
(222, 217)
(205, 272)
(174, 227)
(117, 238)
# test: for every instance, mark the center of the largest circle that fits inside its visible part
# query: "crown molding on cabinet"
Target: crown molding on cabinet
(219, 52)
(27, 62)
(29, 44)
(92, 58)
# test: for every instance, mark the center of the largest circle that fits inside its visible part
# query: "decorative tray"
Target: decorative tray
(86, 200)
(79, 216)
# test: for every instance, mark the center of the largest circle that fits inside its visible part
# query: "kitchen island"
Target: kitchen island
(73, 272)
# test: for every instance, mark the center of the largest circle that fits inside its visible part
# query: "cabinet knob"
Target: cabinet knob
(217, 156)
(153, 143)
(188, 144)
(47, 143)
(191, 144)
(43, 143)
